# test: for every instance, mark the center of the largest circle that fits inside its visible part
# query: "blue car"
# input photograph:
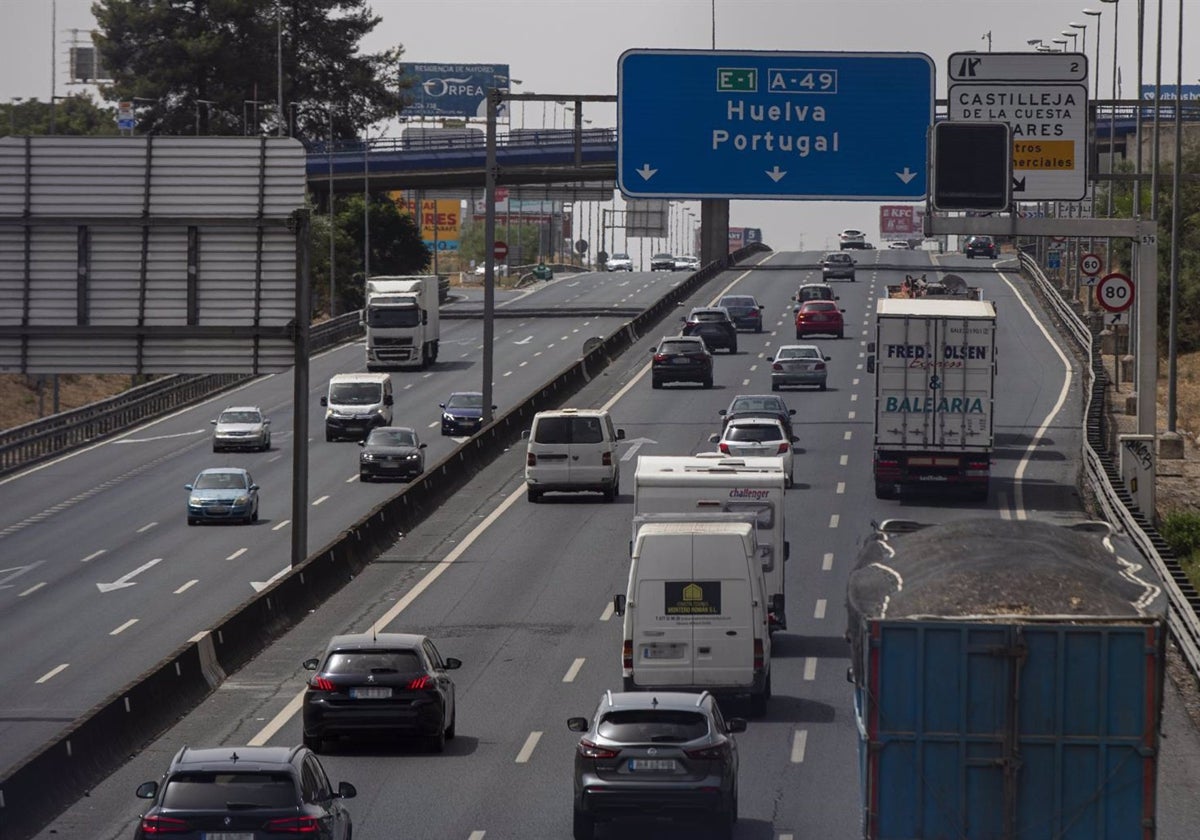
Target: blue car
(222, 494)
(462, 413)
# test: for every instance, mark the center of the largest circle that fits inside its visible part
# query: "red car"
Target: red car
(819, 317)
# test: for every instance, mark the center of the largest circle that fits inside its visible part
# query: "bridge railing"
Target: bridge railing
(525, 138)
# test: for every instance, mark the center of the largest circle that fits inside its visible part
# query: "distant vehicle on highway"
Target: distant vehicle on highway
(245, 792)
(799, 364)
(899, 245)
(681, 358)
(980, 246)
(744, 310)
(713, 324)
(814, 291)
(391, 452)
(462, 413)
(619, 262)
(662, 262)
(837, 265)
(241, 427)
(852, 238)
(377, 685)
(757, 437)
(687, 263)
(222, 494)
(819, 317)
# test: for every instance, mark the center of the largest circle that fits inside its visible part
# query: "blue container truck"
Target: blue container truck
(1007, 682)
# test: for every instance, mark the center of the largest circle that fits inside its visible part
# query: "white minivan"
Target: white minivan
(356, 403)
(572, 449)
(695, 608)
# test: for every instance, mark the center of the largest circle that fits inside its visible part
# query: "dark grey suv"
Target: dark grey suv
(656, 753)
(245, 792)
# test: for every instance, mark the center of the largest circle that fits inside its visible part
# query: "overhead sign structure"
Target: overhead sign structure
(704, 124)
(1114, 292)
(1043, 98)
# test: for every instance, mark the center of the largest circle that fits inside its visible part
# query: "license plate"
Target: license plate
(219, 509)
(371, 693)
(228, 835)
(665, 650)
(656, 765)
(680, 361)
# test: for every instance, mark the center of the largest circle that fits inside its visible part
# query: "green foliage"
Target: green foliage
(178, 56)
(523, 242)
(77, 115)
(1181, 530)
(395, 241)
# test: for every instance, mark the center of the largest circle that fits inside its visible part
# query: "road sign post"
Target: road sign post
(703, 124)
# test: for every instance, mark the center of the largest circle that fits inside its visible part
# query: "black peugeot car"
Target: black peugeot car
(980, 246)
(713, 324)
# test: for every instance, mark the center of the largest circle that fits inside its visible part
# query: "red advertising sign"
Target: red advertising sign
(899, 220)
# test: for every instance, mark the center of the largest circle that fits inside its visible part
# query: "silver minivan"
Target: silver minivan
(572, 449)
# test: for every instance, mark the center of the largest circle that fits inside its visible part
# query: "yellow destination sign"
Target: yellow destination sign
(1044, 154)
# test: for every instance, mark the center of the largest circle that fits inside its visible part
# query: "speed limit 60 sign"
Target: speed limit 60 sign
(1114, 292)
(1090, 265)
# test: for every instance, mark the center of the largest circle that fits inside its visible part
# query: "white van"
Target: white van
(695, 614)
(572, 449)
(357, 403)
(712, 483)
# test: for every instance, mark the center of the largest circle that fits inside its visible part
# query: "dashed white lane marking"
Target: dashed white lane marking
(843, 460)
(573, 671)
(786, 837)
(858, 367)
(841, 488)
(847, 435)
(237, 554)
(745, 382)
(508, 373)
(753, 368)
(819, 612)
(93, 555)
(527, 750)
(810, 668)
(351, 479)
(51, 674)
(799, 742)
(32, 589)
(834, 519)
(282, 524)
(854, 398)
(409, 385)
(320, 500)
(187, 586)
(608, 612)
(146, 527)
(476, 835)
(827, 562)
(433, 424)
(851, 415)
(854, 381)
(123, 627)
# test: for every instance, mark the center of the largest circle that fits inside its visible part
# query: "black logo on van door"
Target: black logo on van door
(696, 597)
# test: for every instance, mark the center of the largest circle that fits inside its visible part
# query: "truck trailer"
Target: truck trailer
(1008, 682)
(400, 318)
(934, 362)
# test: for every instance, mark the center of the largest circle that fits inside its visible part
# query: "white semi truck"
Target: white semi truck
(934, 361)
(400, 317)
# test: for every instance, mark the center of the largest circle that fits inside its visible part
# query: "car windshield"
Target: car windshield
(799, 353)
(620, 257)
(239, 417)
(815, 293)
(707, 316)
(355, 393)
(668, 347)
(851, 232)
(569, 430)
(755, 404)
(652, 726)
(196, 791)
(220, 481)
(740, 302)
(842, 258)
(393, 316)
(373, 662)
(754, 433)
(391, 437)
(663, 257)
(465, 401)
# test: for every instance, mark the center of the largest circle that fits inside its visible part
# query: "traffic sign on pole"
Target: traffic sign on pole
(500, 250)
(704, 124)
(1090, 264)
(1114, 292)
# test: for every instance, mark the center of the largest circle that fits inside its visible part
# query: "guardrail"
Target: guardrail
(1103, 477)
(39, 440)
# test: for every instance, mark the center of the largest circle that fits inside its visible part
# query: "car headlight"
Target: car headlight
(414, 456)
(194, 501)
(241, 500)
(366, 456)
(449, 418)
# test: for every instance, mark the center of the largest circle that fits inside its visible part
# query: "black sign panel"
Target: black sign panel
(972, 166)
(693, 597)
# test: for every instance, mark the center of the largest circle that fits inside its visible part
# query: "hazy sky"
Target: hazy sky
(572, 47)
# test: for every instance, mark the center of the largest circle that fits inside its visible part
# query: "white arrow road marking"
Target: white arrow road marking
(126, 579)
(524, 340)
(634, 446)
(260, 585)
(14, 572)
(907, 175)
(776, 174)
(646, 172)
(162, 437)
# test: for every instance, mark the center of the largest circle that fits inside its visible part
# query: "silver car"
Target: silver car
(799, 364)
(242, 427)
(619, 262)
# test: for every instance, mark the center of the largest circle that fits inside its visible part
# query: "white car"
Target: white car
(619, 262)
(757, 437)
(899, 245)
(687, 263)
(851, 238)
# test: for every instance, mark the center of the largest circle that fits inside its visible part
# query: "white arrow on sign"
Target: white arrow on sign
(775, 174)
(1112, 319)
(646, 172)
(907, 175)
(126, 579)
(260, 585)
(634, 446)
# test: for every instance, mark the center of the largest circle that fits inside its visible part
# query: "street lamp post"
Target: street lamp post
(246, 103)
(206, 103)
(12, 114)
(1062, 43)
(1074, 36)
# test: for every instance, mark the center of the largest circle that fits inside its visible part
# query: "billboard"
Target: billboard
(440, 219)
(451, 90)
(901, 221)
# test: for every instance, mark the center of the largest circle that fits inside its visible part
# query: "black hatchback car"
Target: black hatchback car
(744, 310)
(391, 452)
(714, 325)
(380, 684)
(249, 793)
(681, 359)
(656, 753)
(980, 246)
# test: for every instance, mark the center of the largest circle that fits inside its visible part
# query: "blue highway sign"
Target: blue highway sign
(703, 124)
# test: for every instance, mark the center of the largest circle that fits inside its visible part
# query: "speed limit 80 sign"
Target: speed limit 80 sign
(1114, 292)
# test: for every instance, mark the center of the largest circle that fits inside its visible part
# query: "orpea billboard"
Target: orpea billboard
(451, 90)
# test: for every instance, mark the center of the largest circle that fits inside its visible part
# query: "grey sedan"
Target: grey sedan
(798, 364)
(391, 452)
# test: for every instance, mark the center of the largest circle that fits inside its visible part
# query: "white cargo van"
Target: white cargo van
(711, 483)
(695, 616)
(572, 449)
(357, 403)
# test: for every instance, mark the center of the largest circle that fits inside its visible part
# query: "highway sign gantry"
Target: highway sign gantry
(1114, 292)
(704, 124)
(1043, 97)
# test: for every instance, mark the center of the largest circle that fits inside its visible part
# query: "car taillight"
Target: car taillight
(589, 750)
(758, 655)
(423, 681)
(724, 447)
(784, 447)
(294, 825)
(715, 753)
(698, 357)
(153, 826)
(660, 357)
(776, 366)
(819, 366)
(606, 459)
(530, 459)
(627, 654)
(322, 684)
